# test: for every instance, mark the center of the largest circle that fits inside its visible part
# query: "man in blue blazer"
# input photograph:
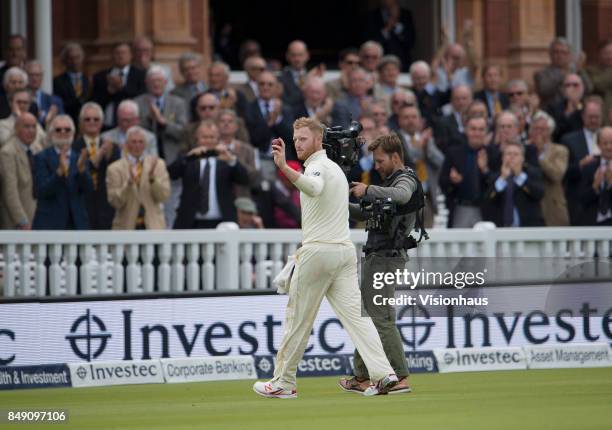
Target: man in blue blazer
(44, 101)
(62, 181)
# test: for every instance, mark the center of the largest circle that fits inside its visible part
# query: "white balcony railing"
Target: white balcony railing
(92, 263)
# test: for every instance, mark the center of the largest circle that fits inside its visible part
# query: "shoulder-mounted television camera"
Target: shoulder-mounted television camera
(343, 145)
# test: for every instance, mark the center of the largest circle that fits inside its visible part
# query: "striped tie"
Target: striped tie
(140, 219)
(138, 171)
(497, 107)
(66, 166)
(91, 145)
(365, 178)
(78, 87)
(421, 167)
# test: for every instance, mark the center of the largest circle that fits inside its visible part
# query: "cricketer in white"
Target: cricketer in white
(326, 266)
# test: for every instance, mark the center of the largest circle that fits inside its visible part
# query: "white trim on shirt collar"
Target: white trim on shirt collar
(133, 160)
(315, 156)
(24, 146)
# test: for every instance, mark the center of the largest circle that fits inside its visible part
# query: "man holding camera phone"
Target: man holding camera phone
(326, 266)
(209, 172)
(384, 253)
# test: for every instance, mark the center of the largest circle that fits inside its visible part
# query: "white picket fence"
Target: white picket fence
(90, 263)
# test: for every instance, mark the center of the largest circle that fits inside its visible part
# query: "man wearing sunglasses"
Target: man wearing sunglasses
(62, 181)
(348, 61)
(567, 112)
(100, 154)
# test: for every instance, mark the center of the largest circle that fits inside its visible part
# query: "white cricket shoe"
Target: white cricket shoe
(267, 389)
(382, 387)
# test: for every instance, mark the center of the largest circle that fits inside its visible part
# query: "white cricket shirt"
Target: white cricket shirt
(324, 200)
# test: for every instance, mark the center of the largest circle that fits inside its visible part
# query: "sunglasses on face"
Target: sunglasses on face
(206, 107)
(257, 69)
(62, 130)
(91, 119)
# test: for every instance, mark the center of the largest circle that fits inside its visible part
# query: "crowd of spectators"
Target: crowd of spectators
(127, 148)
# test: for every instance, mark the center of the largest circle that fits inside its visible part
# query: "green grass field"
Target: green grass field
(576, 399)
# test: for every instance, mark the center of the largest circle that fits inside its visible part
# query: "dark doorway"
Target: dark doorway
(326, 26)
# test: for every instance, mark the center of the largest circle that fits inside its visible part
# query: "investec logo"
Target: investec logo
(88, 336)
(417, 328)
(460, 358)
(307, 364)
(117, 372)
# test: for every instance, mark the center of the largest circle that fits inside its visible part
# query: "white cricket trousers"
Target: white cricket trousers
(326, 270)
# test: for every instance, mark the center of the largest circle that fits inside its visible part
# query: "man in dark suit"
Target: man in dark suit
(72, 86)
(100, 154)
(567, 112)
(293, 76)
(62, 181)
(449, 130)
(597, 183)
(208, 181)
(430, 99)
(15, 54)
(393, 27)
(516, 192)
(48, 104)
(268, 118)
(122, 81)
(582, 145)
(466, 174)
(422, 154)
(253, 66)
(493, 98)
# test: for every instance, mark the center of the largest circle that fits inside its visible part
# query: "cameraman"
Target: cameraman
(384, 253)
